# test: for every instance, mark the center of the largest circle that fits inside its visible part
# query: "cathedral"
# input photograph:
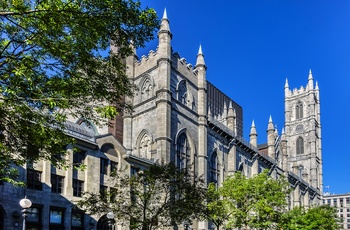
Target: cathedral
(178, 116)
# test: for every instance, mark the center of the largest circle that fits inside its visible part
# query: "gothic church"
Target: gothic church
(181, 117)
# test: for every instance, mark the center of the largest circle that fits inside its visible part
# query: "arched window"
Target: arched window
(146, 89)
(214, 169)
(299, 110)
(145, 147)
(182, 152)
(300, 145)
(106, 224)
(182, 92)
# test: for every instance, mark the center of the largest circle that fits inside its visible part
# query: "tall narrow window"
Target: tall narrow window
(182, 92)
(78, 158)
(214, 169)
(299, 110)
(300, 145)
(145, 147)
(57, 183)
(78, 187)
(183, 152)
(104, 166)
(34, 179)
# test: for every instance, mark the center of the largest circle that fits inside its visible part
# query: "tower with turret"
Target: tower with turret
(303, 132)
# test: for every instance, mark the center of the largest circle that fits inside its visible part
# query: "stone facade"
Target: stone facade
(181, 117)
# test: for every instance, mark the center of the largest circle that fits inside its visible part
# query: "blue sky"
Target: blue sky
(252, 46)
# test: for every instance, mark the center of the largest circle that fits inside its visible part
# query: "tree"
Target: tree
(56, 61)
(160, 196)
(216, 210)
(315, 218)
(254, 203)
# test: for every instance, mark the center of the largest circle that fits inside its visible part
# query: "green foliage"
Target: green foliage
(216, 210)
(158, 197)
(315, 218)
(255, 203)
(56, 61)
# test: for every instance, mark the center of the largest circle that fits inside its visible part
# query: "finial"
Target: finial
(286, 85)
(164, 26)
(230, 105)
(270, 119)
(165, 16)
(310, 74)
(200, 49)
(200, 57)
(253, 133)
(316, 87)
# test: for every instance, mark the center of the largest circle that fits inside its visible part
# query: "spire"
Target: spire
(253, 129)
(286, 85)
(316, 87)
(270, 125)
(286, 88)
(165, 16)
(200, 58)
(230, 110)
(200, 49)
(310, 82)
(164, 25)
(271, 139)
(310, 74)
(253, 135)
(164, 37)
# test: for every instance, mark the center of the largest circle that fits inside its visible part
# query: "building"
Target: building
(181, 117)
(342, 203)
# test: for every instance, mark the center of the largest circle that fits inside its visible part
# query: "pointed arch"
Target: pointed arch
(144, 144)
(300, 145)
(146, 88)
(214, 168)
(299, 110)
(184, 149)
(182, 93)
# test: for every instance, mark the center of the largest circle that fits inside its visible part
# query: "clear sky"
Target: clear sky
(252, 46)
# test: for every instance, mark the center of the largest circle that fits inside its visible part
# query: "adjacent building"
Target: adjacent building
(178, 116)
(342, 203)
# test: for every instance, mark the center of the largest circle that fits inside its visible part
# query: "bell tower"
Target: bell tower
(303, 132)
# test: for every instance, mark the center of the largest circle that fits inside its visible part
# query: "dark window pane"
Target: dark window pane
(77, 219)
(34, 179)
(103, 166)
(57, 183)
(78, 187)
